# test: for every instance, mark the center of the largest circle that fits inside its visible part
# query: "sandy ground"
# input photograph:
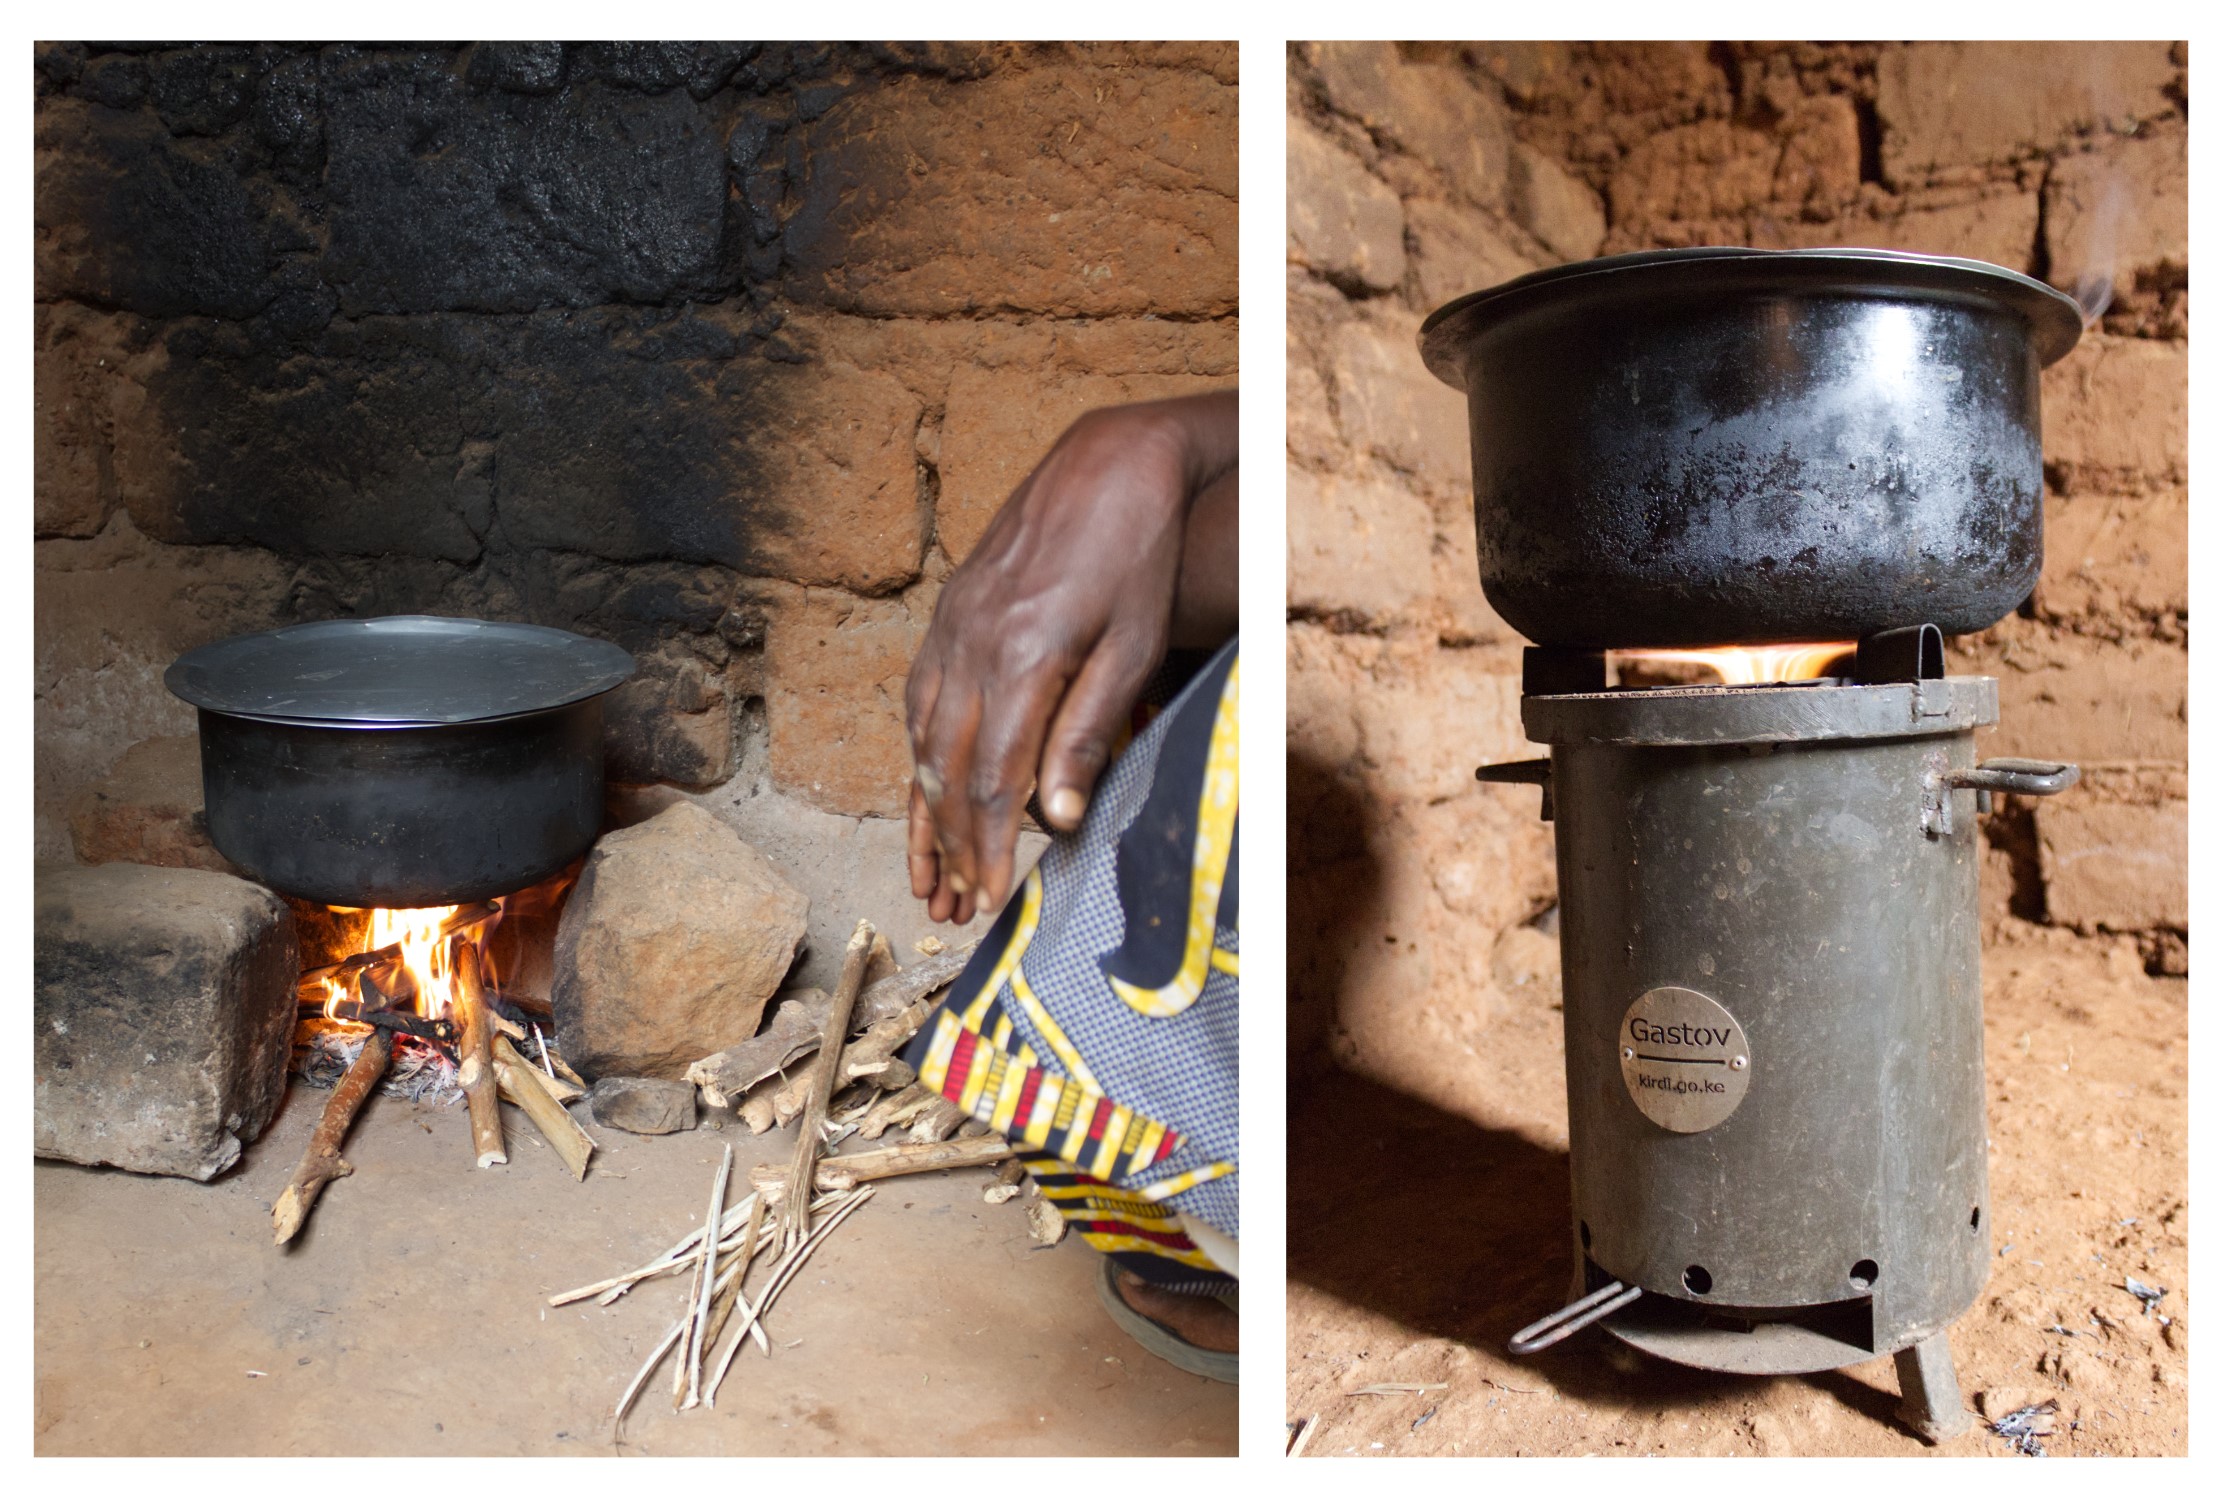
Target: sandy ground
(1421, 1240)
(408, 1318)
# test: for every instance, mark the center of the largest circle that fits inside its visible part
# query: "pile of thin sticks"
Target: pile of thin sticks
(789, 1213)
(717, 1270)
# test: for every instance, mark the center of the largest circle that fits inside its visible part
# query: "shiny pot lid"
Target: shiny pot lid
(1709, 272)
(397, 672)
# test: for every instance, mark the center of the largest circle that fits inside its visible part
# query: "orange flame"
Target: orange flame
(426, 955)
(1747, 664)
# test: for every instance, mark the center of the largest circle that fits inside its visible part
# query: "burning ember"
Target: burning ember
(1732, 664)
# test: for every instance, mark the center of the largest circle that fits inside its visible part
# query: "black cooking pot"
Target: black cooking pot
(402, 761)
(1722, 445)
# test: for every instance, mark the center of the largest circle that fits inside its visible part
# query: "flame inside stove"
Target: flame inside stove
(425, 939)
(1744, 664)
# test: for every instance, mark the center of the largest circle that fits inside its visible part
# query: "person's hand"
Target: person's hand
(1042, 640)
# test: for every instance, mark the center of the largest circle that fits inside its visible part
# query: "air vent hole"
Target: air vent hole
(1697, 1279)
(1863, 1274)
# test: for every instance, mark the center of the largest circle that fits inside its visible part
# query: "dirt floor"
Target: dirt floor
(2087, 1073)
(408, 1318)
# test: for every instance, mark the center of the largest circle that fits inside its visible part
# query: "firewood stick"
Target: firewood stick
(795, 1223)
(841, 1173)
(899, 1109)
(522, 1084)
(775, 1281)
(563, 1091)
(893, 996)
(710, 1252)
(322, 1162)
(708, 1325)
(730, 1289)
(877, 1047)
(626, 1399)
(476, 1073)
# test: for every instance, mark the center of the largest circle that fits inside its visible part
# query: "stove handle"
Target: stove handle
(1537, 772)
(2019, 777)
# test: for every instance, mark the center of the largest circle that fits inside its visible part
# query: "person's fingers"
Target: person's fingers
(945, 754)
(1006, 747)
(1090, 716)
(919, 846)
(950, 904)
(922, 684)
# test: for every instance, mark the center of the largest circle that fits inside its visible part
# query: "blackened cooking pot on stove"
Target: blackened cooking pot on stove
(409, 761)
(1722, 445)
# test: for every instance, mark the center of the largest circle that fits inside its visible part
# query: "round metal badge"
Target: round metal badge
(1684, 1059)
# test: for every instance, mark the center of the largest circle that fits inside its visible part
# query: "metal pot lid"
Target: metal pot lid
(1721, 271)
(397, 672)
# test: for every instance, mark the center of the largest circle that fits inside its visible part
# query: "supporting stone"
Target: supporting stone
(163, 1016)
(674, 939)
(1930, 1402)
(646, 1107)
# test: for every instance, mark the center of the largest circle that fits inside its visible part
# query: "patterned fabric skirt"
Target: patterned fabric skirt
(1095, 1028)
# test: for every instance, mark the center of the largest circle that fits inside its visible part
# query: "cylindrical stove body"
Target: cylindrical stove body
(1770, 953)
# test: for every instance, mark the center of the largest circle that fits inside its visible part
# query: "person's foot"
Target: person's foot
(1206, 1323)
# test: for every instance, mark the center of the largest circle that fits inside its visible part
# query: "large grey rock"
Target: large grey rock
(677, 935)
(163, 1015)
(646, 1107)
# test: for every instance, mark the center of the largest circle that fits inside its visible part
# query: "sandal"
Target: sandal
(1220, 1366)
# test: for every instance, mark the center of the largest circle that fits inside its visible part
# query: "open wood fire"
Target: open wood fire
(426, 976)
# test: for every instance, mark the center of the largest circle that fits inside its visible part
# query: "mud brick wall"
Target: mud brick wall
(1420, 904)
(724, 351)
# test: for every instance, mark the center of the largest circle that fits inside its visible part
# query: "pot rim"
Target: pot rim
(408, 671)
(1855, 271)
(396, 725)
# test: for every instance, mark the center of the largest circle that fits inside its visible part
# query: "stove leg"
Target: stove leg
(1930, 1402)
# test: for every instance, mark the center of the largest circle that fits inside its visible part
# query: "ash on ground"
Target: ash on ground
(420, 1072)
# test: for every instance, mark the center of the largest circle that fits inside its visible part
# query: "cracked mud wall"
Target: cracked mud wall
(1419, 903)
(724, 351)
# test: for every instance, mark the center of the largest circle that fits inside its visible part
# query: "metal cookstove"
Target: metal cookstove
(1770, 956)
(1769, 893)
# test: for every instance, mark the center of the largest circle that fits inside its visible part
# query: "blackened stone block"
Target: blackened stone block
(359, 445)
(445, 197)
(129, 216)
(646, 1107)
(202, 91)
(519, 67)
(163, 1016)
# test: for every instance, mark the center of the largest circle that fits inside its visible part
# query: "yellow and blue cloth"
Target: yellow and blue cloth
(1096, 1025)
